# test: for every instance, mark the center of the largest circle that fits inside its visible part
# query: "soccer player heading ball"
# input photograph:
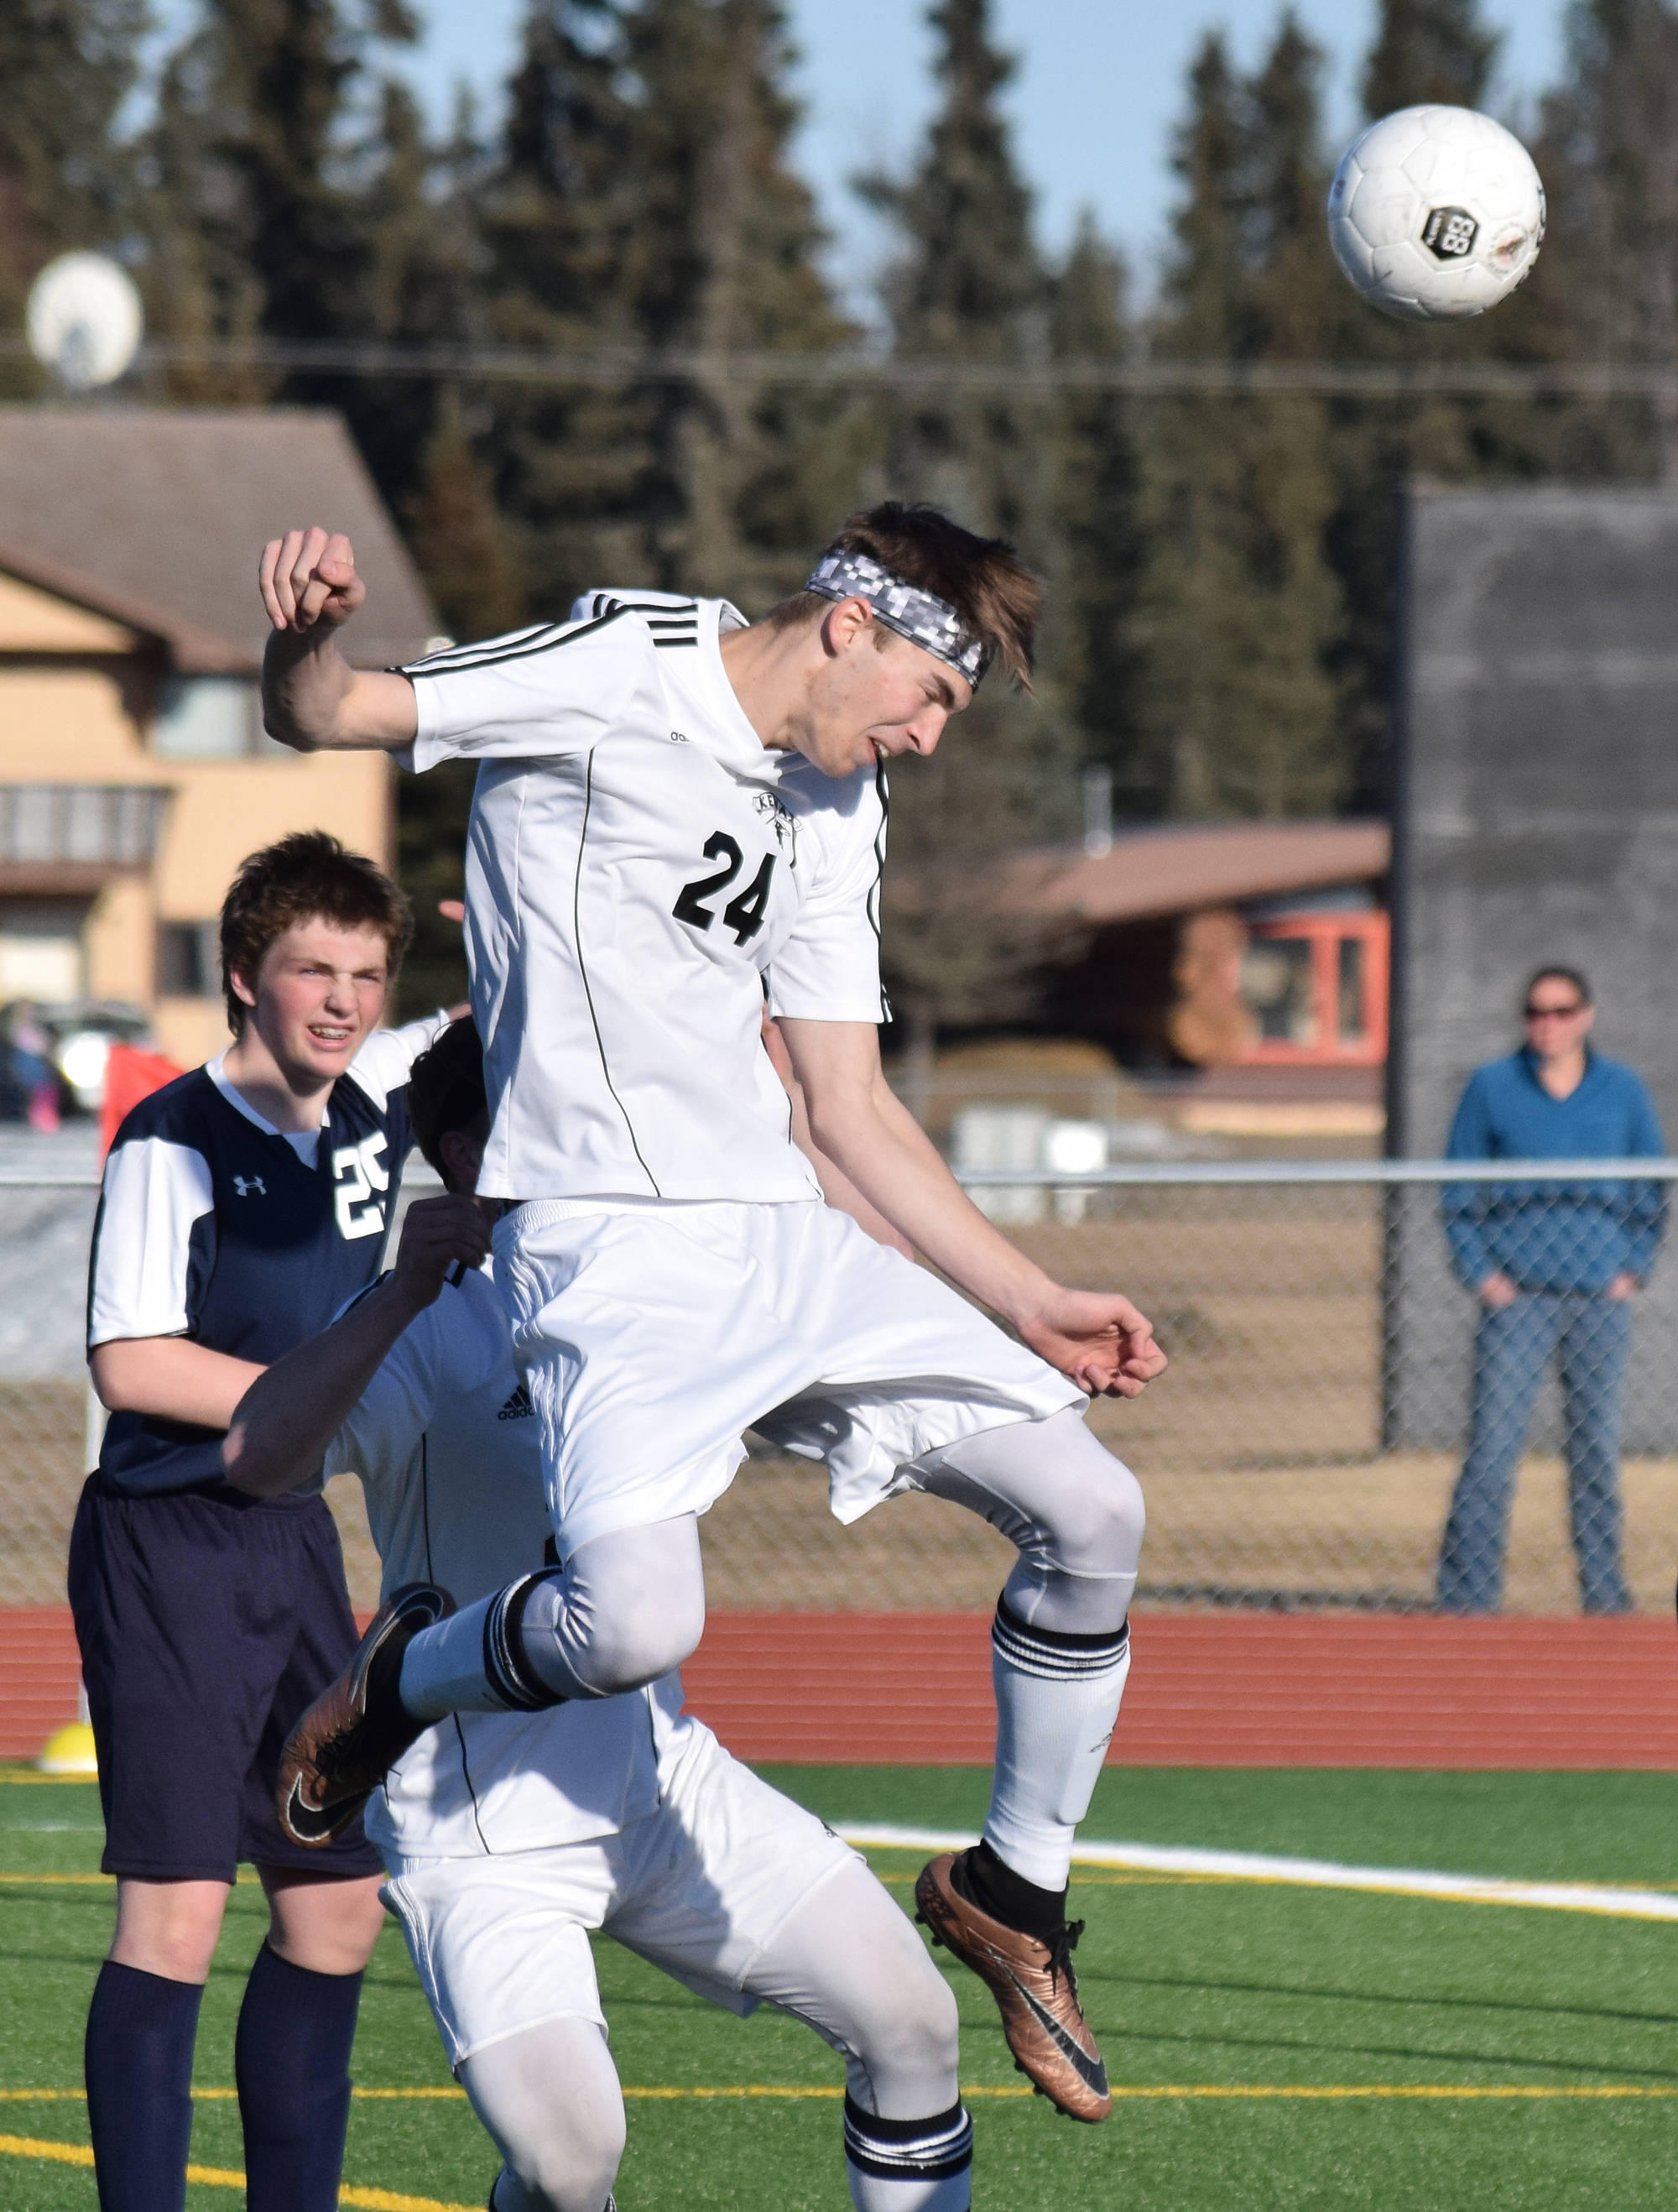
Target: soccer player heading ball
(677, 814)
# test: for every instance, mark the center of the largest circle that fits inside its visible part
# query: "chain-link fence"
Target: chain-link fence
(1305, 1447)
(1330, 1371)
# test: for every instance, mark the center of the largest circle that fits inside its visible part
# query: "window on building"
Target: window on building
(205, 718)
(1315, 980)
(188, 964)
(1276, 983)
(41, 952)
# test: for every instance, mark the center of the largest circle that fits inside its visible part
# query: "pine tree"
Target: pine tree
(970, 287)
(66, 180)
(296, 198)
(1610, 265)
(1428, 51)
(645, 203)
(1444, 51)
(1240, 611)
(1089, 630)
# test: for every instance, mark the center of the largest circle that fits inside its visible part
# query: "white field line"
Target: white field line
(1314, 1873)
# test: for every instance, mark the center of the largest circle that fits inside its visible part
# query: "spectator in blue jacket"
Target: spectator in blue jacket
(1555, 1268)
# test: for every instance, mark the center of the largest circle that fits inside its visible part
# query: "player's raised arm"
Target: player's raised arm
(312, 699)
(1096, 1337)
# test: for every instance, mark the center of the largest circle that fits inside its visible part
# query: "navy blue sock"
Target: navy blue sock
(137, 2059)
(291, 2061)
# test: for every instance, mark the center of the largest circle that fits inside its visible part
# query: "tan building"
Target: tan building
(134, 771)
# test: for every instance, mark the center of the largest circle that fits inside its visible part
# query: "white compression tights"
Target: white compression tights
(1072, 1510)
(848, 1964)
(629, 1606)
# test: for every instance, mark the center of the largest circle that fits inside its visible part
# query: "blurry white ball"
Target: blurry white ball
(84, 319)
(1436, 213)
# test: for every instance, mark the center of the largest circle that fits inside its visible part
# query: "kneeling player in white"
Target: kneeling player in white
(676, 812)
(508, 1837)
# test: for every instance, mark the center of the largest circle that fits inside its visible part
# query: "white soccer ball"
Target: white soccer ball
(1436, 213)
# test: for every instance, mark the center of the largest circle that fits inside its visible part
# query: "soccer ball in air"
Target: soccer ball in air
(1436, 213)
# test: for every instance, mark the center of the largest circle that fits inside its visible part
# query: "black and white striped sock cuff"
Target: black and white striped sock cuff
(1054, 1654)
(504, 1665)
(908, 2150)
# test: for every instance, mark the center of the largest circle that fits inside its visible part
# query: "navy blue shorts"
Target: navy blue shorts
(208, 1624)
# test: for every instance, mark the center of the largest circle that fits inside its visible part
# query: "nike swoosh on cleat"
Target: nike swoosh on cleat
(309, 1823)
(1089, 2071)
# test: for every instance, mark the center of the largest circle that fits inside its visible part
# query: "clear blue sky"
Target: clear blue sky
(1099, 86)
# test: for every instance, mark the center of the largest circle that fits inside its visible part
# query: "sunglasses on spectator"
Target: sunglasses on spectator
(1552, 1013)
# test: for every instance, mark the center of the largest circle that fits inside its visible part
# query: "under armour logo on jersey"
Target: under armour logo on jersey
(358, 1171)
(246, 1184)
(518, 1407)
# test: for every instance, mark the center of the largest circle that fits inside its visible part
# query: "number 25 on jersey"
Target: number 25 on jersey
(744, 912)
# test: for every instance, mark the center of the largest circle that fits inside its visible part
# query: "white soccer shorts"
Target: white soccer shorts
(653, 1336)
(699, 1888)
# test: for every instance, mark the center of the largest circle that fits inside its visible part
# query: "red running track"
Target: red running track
(1211, 1690)
(1206, 1689)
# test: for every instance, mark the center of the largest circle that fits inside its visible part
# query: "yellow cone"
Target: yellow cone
(68, 1751)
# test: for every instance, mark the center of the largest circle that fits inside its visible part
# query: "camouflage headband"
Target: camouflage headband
(921, 616)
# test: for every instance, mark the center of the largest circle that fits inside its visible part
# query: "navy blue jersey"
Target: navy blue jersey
(215, 1226)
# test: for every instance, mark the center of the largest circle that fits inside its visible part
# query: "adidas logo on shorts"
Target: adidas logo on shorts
(518, 1407)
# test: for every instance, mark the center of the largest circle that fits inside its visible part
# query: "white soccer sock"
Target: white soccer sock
(1057, 1699)
(908, 2165)
(442, 1670)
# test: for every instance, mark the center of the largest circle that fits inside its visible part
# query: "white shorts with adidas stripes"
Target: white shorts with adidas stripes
(653, 1334)
(700, 1887)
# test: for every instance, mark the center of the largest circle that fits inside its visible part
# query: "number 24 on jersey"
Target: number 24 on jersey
(745, 912)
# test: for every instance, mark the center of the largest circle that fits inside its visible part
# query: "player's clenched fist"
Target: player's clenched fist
(437, 1235)
(1099, 1340)
(308, 579)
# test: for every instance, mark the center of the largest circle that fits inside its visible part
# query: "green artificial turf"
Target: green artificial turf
(1194, 1985)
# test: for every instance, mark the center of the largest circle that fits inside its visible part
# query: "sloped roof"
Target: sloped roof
(156, 516)
(1176, 870)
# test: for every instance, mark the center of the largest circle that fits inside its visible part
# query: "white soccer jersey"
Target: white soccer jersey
(639, 869)
(446, 1446)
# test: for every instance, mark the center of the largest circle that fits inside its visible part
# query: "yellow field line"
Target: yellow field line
(1305, 2091)
(223, 2096)
(57, 1881)
(223, 2176)
(1386, 2089)
(17, 1779)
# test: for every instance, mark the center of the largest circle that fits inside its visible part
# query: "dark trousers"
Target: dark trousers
(1512, 1351)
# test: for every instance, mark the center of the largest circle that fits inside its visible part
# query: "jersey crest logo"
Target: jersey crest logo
(246, 1184)
(785, 828)
(518, 1407)
(358, 1171)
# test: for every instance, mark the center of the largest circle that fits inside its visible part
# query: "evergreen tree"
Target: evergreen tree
(1428, 51)
(1089, 630)
(647, 203)
(1240, 611)
(1446, 52)
(1610, 264)
(970, 287)
(457, 537)
(66, 181)
(296, 198)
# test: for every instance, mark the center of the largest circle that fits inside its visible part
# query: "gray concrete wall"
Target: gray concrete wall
(1535, 818)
